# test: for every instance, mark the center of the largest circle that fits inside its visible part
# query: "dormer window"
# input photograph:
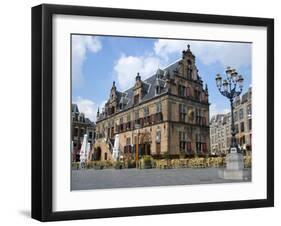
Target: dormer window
(158, 90)
(111, 110)
(136, 99)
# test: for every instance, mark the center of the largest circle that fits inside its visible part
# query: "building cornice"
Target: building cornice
(167, 94)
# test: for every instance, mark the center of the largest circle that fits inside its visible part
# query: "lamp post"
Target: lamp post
(231, 87)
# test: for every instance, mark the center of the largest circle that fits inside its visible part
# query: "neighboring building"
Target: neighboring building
(166, 114)
(80, 126)
(243, 120)
(218, 134)
(220, 126)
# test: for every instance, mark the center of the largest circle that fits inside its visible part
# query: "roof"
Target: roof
(244, 98)
(159, 79)
(148, 87)
(217, 118)
(74, 108)
(88, 121)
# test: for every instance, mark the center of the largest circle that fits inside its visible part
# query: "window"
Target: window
(128, 141)
(242, 127)
(198, 143)
(188, 91)
(189, 69)
(128, 125)
(121, 124)
(250, 124)
(136, 99)
(158, 107)
(128, 117)
(128, 146)
(90, 135)
(111, 110)
(182, 112)
(158, 89)
(188, 145)
(158, 136)
(137, 118)
(199, 118)
(236, 128)
(146, 111)
(76, 117)
(249, 110)
(136, 115)
(182, 90)
(81, 132)
(158, 116)
(185, 144)
(75, 132)
(146, 115)
(201, 146)
(203, 118)
(197, 94)
(241, 113)
(81, 118)
(182, 141)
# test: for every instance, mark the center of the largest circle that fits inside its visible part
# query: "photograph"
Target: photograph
(147, 112)
(152, 111)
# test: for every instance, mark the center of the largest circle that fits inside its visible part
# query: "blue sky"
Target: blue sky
(97, 61)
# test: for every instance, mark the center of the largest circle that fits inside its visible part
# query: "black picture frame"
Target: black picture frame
(42, 111)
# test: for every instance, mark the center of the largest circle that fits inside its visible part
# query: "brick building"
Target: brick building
(219, 132)
(165, 114)
(220, 126)
(80, 125)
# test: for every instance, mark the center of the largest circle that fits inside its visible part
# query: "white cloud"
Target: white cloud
(127, 67)
(227, 54)
(80, 44)
(88, 107)
(214, 110)
(164, 47)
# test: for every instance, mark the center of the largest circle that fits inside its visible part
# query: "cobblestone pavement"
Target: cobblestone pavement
(127, 178)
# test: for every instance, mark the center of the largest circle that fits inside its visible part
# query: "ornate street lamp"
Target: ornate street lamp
(231, 87)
